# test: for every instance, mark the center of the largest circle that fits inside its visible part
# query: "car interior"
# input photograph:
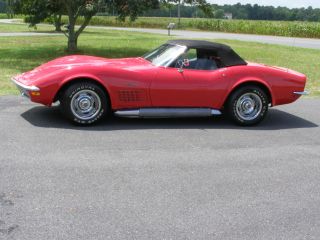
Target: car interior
(199, 59)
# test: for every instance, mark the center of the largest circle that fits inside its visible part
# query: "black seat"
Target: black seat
(205, 64)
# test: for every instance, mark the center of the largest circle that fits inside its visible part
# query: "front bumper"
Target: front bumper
(24, 89)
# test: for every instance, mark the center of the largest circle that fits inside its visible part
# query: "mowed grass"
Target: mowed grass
(19, 54)
(22, 27)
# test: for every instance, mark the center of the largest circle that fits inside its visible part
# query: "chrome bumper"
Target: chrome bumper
(24, 89)
(304, 93)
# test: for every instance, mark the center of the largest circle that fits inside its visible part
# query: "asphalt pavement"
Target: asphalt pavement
(159, 178)
(286, 41)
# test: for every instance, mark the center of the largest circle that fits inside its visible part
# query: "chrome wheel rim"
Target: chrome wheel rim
(249, 106)
(85, 104)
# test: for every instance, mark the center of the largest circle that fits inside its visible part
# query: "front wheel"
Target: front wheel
(248, 106)
(84, 103)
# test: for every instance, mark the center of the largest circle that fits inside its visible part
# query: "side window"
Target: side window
(191, 54)
(199, 59)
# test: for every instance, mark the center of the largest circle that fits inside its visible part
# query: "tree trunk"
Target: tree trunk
(72, 36)
(72, 44)
(72, 33)
(57, 22)
(72, 40)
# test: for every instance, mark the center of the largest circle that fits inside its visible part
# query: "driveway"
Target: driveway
(159, 179)
(286, 41)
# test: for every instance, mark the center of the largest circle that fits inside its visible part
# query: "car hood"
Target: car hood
(82, 60)
(79, 62)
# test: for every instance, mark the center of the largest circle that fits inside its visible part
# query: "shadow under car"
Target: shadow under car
(52, 118)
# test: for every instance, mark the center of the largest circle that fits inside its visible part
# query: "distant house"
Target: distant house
(228, 16)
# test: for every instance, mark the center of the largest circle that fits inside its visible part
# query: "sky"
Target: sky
(276, 3)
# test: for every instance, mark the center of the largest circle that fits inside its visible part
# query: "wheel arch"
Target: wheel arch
(264, 86)
(69, 81)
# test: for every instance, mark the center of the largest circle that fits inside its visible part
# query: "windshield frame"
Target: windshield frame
(180, 49)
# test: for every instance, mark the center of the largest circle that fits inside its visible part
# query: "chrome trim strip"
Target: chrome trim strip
(28, 88)
(304, 93)
(216, 112)
(128, 113)
(167, 112)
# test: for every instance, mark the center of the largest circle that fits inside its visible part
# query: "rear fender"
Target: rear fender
(251, 81)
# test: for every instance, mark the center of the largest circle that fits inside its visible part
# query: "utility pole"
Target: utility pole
(179, 13)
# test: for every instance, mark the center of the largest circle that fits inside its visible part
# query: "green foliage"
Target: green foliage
(171, 10)
(3, 6)
(10, 7)
(201, 4)
(38, 10)
(240, 11)
(133, 8)
(219, 14)
(35, 11)
(256, 12)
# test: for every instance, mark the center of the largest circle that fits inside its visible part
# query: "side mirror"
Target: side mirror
(186, 62)
(183, 63)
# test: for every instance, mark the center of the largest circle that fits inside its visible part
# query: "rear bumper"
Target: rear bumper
(304, 93)
(24, 89)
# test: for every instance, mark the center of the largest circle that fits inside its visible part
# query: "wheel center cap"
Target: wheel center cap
(84, 104)
(248, 106)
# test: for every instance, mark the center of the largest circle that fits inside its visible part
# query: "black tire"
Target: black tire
(247, 106)
(84, 103)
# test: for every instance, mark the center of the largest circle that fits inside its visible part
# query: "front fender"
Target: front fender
(73, 77)
(79, 76)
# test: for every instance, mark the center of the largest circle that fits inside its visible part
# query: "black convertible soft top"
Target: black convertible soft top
(227, 55)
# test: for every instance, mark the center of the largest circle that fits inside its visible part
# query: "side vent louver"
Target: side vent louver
(131, 96)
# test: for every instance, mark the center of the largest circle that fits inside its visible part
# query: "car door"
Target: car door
(188, 88)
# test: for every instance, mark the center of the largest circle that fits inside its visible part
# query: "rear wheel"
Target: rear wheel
(248, 106)
(84, 103)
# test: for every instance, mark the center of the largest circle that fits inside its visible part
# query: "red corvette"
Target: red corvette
(182, 78)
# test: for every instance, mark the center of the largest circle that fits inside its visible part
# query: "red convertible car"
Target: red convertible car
(182, 78)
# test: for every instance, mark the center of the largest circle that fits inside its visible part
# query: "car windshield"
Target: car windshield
(165, 54)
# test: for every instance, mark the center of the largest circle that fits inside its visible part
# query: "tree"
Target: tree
(2, 7)
(10, 5)
(75, 9)
(219, 14)
(202, 4)
(88, 8)
(56, 10)
(38, 10)
(169, 6)
(132, 8)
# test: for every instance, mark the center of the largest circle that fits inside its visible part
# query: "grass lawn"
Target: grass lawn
(4, 28)
(19, 54)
